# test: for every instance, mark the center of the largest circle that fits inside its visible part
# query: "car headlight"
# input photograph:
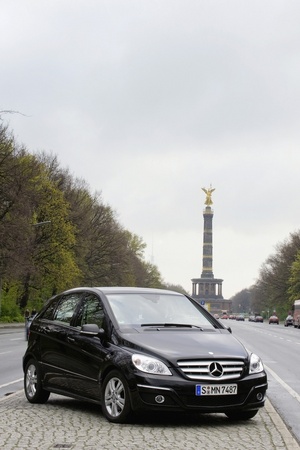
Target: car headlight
(256, 364)
(150, 365)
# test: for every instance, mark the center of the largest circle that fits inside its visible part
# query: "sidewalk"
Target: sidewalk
(63, 423)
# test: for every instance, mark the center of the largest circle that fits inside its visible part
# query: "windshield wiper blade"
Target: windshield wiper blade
(170, 324)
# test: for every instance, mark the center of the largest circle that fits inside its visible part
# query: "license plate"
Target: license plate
(216, 389)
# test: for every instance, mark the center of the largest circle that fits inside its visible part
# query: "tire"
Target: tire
(115, 398)
(241, 415)
(33, 383)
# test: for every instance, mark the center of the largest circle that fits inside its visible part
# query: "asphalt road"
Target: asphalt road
(12, 348)
(66, 423)
(278, 346)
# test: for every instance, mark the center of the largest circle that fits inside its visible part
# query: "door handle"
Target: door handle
(70, 339)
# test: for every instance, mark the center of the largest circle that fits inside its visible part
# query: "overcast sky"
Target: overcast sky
(149, 101)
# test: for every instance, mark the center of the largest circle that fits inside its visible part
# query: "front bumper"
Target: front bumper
(179, 395)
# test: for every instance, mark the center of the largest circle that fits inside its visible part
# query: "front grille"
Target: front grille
(204, 370)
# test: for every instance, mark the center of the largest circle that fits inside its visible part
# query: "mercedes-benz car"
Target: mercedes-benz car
(140, 349)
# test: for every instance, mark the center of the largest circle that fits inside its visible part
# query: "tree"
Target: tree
(241, 302)
(55, 234)
(277, 282)
(294, 280)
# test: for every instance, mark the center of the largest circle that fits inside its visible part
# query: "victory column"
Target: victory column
(207, 290)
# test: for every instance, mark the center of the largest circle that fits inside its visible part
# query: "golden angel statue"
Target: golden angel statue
(208, 192)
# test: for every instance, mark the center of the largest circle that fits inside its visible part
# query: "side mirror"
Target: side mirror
(91, 329)
(229, 329)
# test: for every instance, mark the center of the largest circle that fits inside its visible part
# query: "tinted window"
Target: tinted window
(90, 312)
(67, 307)
(50, 311)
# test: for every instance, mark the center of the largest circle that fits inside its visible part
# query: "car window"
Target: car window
(155, 308)
(66, 308)
(50, 309)
(90, 312)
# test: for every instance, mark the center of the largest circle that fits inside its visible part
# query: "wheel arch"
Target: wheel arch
(129, 378)
(26, 358)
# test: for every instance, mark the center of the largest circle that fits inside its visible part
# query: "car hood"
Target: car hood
(173, 345)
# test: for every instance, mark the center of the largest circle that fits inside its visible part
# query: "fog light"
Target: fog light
(259, 396)
(159, 399)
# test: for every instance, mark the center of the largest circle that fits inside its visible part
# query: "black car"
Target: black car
(134, 349)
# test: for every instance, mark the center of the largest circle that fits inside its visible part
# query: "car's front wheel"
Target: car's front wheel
(241, 415)
(115, 398)
(33, 383)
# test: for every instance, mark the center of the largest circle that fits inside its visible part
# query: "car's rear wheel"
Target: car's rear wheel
(241, 415)
(115, 398)
(33, 383)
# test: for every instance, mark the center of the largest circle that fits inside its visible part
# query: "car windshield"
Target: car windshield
(156, 309)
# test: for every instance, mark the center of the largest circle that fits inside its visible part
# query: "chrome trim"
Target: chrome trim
(200, 370)
(154, 387)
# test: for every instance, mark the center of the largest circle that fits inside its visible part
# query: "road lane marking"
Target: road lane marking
(12, 382)
(283, 384)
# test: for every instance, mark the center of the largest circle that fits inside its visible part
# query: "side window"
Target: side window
(67, 307)
(91, 311)
(50, 310)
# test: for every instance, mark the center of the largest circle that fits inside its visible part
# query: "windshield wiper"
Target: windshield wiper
(169, 325)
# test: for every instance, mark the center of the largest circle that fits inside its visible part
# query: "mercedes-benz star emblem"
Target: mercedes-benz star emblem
(216, 370)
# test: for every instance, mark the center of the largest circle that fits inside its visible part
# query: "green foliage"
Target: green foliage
(175, 287)
(10, 311)
(278, 284)
(54, 234)
(241, 302)
(294, 280)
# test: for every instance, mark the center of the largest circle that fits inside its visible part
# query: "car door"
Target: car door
(55, 325)
(86, 353)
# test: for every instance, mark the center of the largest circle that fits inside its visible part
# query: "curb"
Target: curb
(279, 424)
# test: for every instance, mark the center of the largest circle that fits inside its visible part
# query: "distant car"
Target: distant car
(240, 317)
(289, 322)
(232, 316)
(224, 316)
(28, 322)
(140, 349)
(273, 319)
(216, 316)
(251, 319)
(258, 319)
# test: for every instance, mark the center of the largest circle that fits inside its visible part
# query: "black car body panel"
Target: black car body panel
(190, 343)
(74, 362)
